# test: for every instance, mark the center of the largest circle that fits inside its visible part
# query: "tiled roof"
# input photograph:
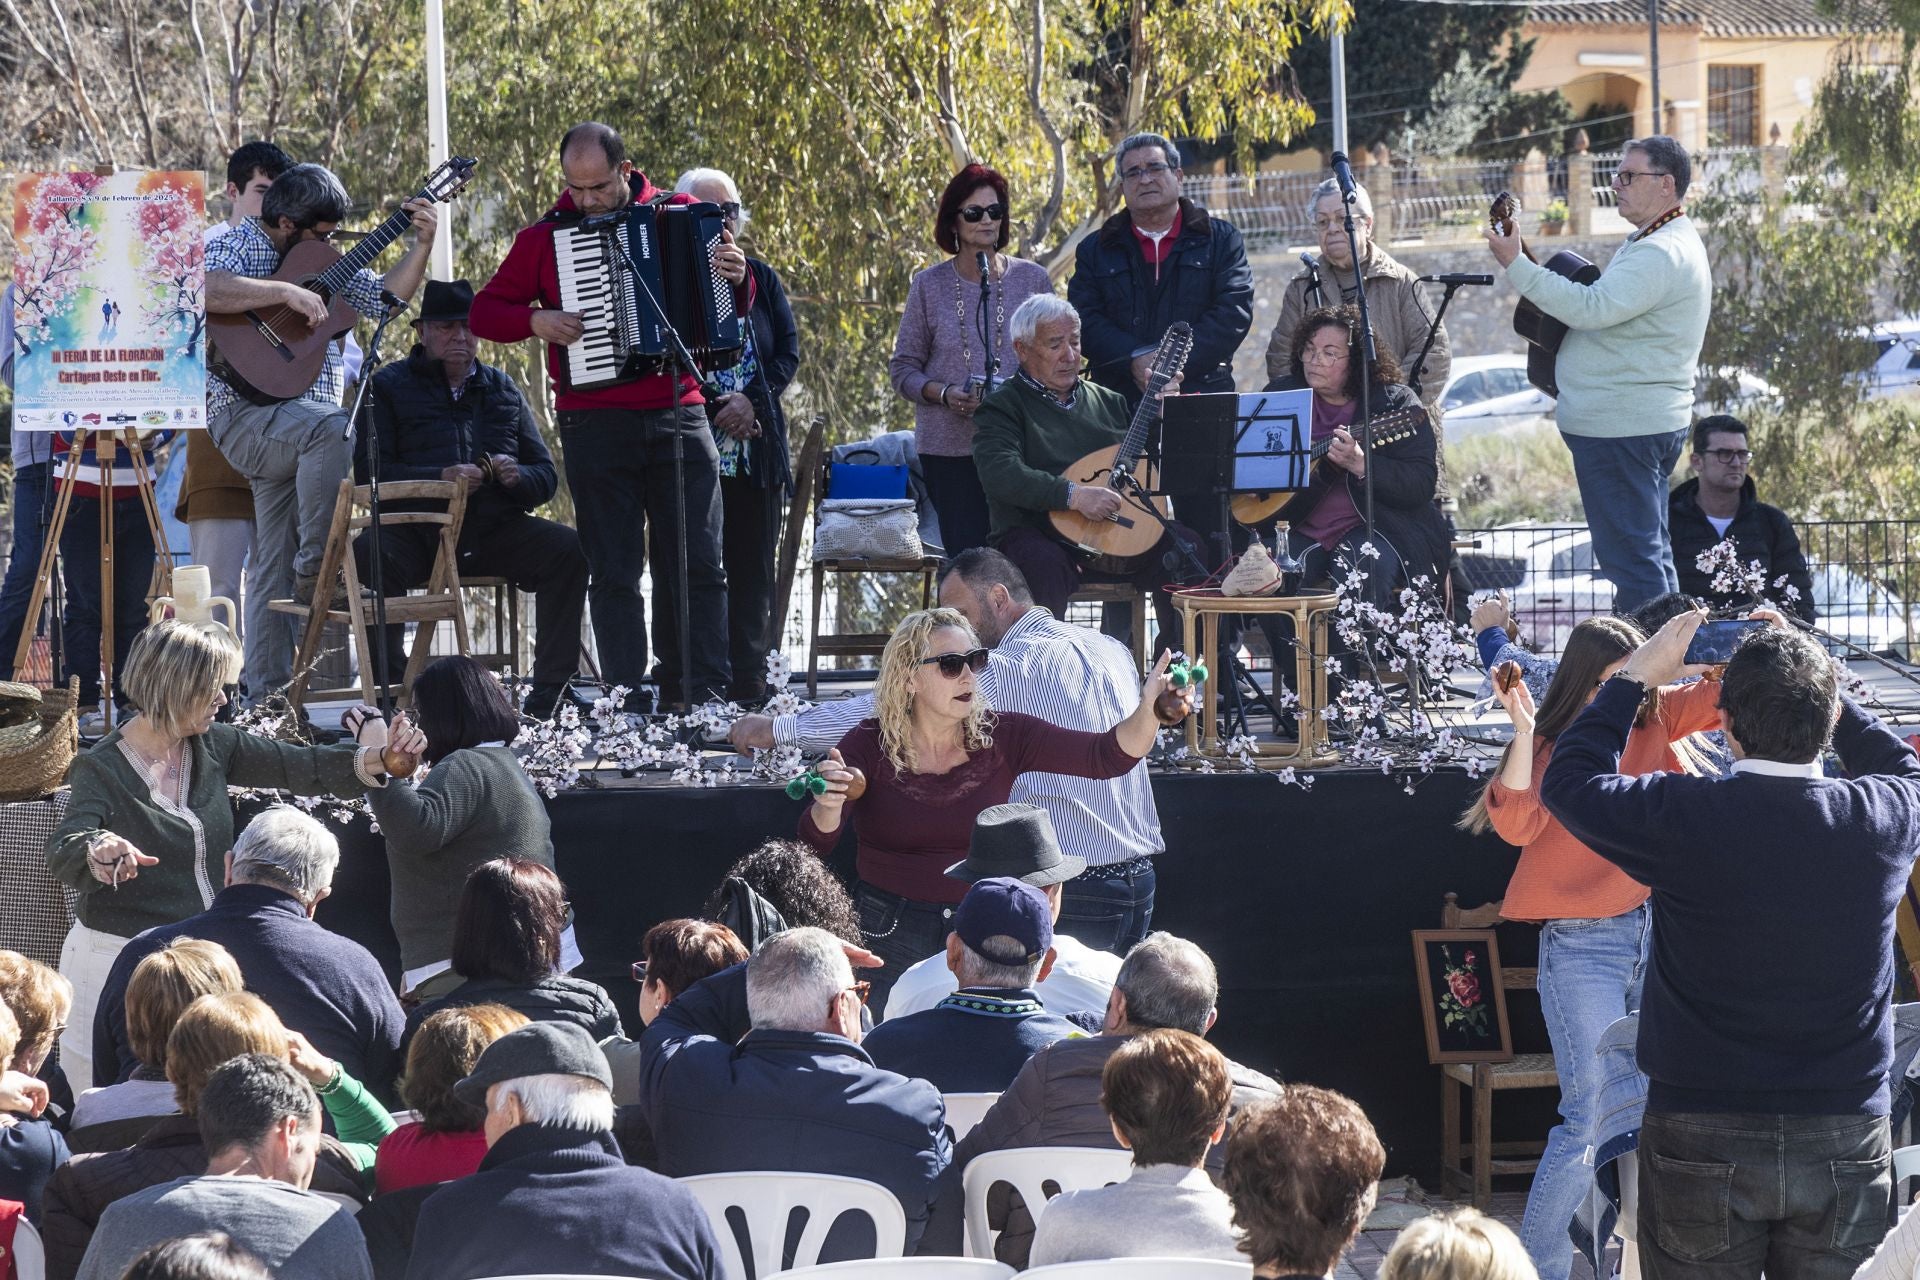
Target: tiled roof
(1714, 18)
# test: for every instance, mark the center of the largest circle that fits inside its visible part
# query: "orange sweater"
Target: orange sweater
(1558, 877)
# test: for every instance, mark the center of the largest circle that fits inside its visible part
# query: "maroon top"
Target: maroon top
(1334, 516)
(912, 827)
(412, 1157)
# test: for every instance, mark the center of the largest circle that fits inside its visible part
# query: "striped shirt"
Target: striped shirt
(1072, 676)
(246, 251)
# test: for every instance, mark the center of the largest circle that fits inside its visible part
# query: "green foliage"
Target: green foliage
(1503, 477)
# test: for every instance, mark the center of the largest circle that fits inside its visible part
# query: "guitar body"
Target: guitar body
(272, 349)
(1543, 333)
(1252, 508)
(1134, 532)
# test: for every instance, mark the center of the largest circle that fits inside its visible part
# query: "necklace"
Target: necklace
(162, 775)
(999, 311)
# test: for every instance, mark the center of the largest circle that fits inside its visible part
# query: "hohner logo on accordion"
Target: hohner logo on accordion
(673, 247)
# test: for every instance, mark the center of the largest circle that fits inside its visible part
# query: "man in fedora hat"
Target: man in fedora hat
(1017, 841)
(443, 415)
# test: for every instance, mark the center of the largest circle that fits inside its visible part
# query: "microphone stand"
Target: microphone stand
(1433, 333)
(1367, 361)
(376, 567)
(985, 318)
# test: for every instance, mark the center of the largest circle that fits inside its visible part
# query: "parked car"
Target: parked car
(1491, 393)
(1895, 368)
(1738, 390)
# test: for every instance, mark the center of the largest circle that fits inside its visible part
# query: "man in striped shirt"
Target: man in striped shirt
(1070, 675)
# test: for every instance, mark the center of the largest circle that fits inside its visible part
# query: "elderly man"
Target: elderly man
(553, 1192)
(1109, 831)
(977, 1039)
(1627, 365)
(756, 467)
(1041, 421)
(442, 414)
(773, 1047)
(261, 1126)
(1720, 504)
(321, 984)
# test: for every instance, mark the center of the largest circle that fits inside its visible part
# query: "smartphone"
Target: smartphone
(1713, 644)
(977, 386)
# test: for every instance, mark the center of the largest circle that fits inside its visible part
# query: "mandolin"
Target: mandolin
(1388, 428)
(271, 354)
(1542, 332)
(1133, 530)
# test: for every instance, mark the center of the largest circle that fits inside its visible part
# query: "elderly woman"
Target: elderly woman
(946, 331)
(756, 466)
(934, 756)
(149, 822)
(1326, 520)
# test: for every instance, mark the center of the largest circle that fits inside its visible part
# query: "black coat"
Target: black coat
(1761, 533)
(1205, 281)
(776, 344)
(1404, 473)
(424, 430)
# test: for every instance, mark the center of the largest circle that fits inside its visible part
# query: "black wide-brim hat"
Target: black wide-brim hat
(445, 300)
(1016, 840)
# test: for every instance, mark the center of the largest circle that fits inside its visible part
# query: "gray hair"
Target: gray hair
(1362, 202)
(1041, 308)
(283, 848)
(1169, 982)
(305, 194)
(703, 176)
(563, 1101)
(1666, 156)
(986, 968)
(794, 977)
(1136, 141)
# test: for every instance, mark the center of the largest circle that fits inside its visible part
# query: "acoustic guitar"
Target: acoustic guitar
(272, 354)
(1542, 332)
(1388, 428)
(1134, 530)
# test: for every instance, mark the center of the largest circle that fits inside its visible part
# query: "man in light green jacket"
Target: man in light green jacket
(1626, 369)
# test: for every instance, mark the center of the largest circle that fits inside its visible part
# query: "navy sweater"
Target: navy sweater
(1771, 985)
(974, 1041)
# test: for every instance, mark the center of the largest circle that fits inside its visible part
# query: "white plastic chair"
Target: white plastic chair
(29, 1255)
(964, 1110)
(1145, 1269)
(767, 1200)
(1029, 1170)
(914, 1268)
(570, 1275)
(1906, 1164)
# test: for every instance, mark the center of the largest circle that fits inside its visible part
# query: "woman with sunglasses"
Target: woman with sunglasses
(934, 756)
(946, 332)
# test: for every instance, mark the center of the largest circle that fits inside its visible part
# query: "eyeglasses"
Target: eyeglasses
(1731, 457)
(992, 212)
(1140, 171)
(640, 972)
(730, 210)
(1623, 178)
(861, 988)
(1313, 355)
(952, 664)
(321, 236)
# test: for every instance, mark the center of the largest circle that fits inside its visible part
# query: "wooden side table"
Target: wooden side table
(1200, 613)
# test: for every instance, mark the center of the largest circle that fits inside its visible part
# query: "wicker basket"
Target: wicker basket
(35, 757)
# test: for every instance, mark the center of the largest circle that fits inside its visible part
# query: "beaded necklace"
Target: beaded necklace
(999, 312)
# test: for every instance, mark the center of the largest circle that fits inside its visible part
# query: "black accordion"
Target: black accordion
(672, 245)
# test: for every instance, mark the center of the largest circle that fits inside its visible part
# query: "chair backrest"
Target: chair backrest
(1038, 1174)
(1486, 916)
(964, 1110)
(29, 1254)
(914, 1268)
(766, 1202)
(1142, 1268)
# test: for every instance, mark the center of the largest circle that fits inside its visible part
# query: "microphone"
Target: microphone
(1343, 174)
(1313, 276)
(1458, 278)
(980, 260)
(392, 301)
(599, 220)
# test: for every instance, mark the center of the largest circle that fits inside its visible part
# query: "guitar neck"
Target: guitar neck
(1135, 441)
(371, 246)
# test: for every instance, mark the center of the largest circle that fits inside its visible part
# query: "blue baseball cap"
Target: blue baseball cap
(1001, 906)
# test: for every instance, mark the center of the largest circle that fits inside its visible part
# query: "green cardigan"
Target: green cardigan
(1022, 442)
(108, 794)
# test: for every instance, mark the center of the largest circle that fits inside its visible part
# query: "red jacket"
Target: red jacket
(502, 311)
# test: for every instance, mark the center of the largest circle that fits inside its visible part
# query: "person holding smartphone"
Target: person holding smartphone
(1595, 926)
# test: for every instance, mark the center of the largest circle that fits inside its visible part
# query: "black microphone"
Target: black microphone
(980, 260)
(599, 220)
(392, 301)
(1313, 276)
(1458, 278)
(1343, 174)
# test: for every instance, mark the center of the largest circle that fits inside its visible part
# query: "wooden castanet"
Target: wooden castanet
(398, 764)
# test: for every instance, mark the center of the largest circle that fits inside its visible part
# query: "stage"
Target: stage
(1304, 899)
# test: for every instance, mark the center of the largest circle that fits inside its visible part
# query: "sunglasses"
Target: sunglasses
(640, 972)
(952, 664)
(975, 212)
(730, 210)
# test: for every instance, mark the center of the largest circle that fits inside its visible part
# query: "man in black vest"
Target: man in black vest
(443, 415)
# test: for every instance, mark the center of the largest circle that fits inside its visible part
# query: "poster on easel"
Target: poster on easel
(109, 301)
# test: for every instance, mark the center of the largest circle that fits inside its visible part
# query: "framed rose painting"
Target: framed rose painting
(1462, 1001)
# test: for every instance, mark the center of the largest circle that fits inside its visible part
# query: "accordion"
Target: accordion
(672, 247)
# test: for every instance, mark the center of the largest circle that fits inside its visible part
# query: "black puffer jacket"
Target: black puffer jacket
(1759, 531)
(556, 998)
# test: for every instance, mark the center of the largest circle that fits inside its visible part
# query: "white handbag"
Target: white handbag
(867, 529)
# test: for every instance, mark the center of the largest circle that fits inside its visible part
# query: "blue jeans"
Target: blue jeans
(29, 491)
(132, 575)
(1623, 487)
(1109, 908)
(1591, 972)
(1726, 1196)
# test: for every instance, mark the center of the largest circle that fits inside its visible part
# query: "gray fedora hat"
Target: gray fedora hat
(1016, 840)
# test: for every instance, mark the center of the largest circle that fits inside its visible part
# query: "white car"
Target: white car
(1744, 391)
(1896, 360)
(1491, 393)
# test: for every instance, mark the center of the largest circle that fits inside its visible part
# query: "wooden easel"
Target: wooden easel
(106, 447)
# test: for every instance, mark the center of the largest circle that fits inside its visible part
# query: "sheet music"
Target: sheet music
(1272, 436)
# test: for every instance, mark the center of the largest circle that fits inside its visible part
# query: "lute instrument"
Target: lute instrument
(1388, 428)
(1133, 530)
(1542, 332)
(271, 354)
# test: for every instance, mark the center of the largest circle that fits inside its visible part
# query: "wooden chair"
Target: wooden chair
(1483, 1080)
(837, 643)
(1105, 591)
(506, 653)
(439, 602)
